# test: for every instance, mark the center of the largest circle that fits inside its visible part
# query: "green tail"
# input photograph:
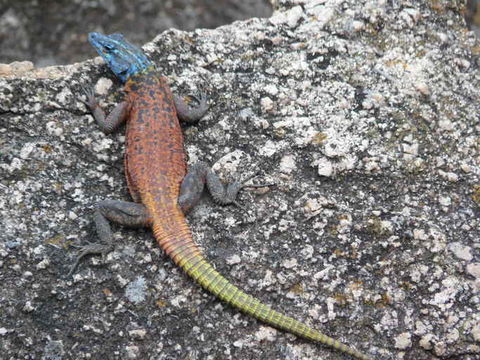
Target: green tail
(200, 270)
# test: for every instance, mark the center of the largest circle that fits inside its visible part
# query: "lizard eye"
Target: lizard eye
(109, 47)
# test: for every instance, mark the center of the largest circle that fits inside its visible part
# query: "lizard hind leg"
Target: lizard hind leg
(194, 182)
(121, 212)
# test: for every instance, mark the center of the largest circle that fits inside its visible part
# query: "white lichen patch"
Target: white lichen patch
(461, 251)
(103, 86)
(403, 341)
(266, 333)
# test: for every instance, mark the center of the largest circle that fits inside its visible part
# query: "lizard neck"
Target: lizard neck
(148, 76)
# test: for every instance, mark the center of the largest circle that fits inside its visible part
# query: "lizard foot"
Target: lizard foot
(188, 113)
(199, 174)
(245, 185)
(90, 249)
(231, 191)
(242, 185)
(90, 102)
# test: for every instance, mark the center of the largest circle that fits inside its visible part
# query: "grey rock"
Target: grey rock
(390, 107)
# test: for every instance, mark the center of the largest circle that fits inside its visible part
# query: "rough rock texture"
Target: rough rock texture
(367, 116)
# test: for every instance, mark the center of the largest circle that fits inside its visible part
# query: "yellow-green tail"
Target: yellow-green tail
(199, 269)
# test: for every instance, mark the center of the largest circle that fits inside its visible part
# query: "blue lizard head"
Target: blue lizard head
(123, 58)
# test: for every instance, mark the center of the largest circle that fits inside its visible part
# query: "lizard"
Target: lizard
(160, 186)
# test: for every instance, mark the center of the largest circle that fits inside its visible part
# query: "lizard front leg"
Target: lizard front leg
(109, 123)
(194, 182)
(121, 212)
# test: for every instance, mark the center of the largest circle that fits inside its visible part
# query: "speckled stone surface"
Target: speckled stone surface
(365, 113)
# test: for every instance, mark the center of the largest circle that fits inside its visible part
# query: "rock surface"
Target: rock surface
(366, 114)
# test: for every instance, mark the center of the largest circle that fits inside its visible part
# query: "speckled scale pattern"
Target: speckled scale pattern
(155, 161)
(155, 166)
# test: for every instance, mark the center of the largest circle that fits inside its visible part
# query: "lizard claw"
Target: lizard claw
(201, 100)
(234, 188)
(244, 185)
(258, 185)
(90, 248)
(90, 102)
